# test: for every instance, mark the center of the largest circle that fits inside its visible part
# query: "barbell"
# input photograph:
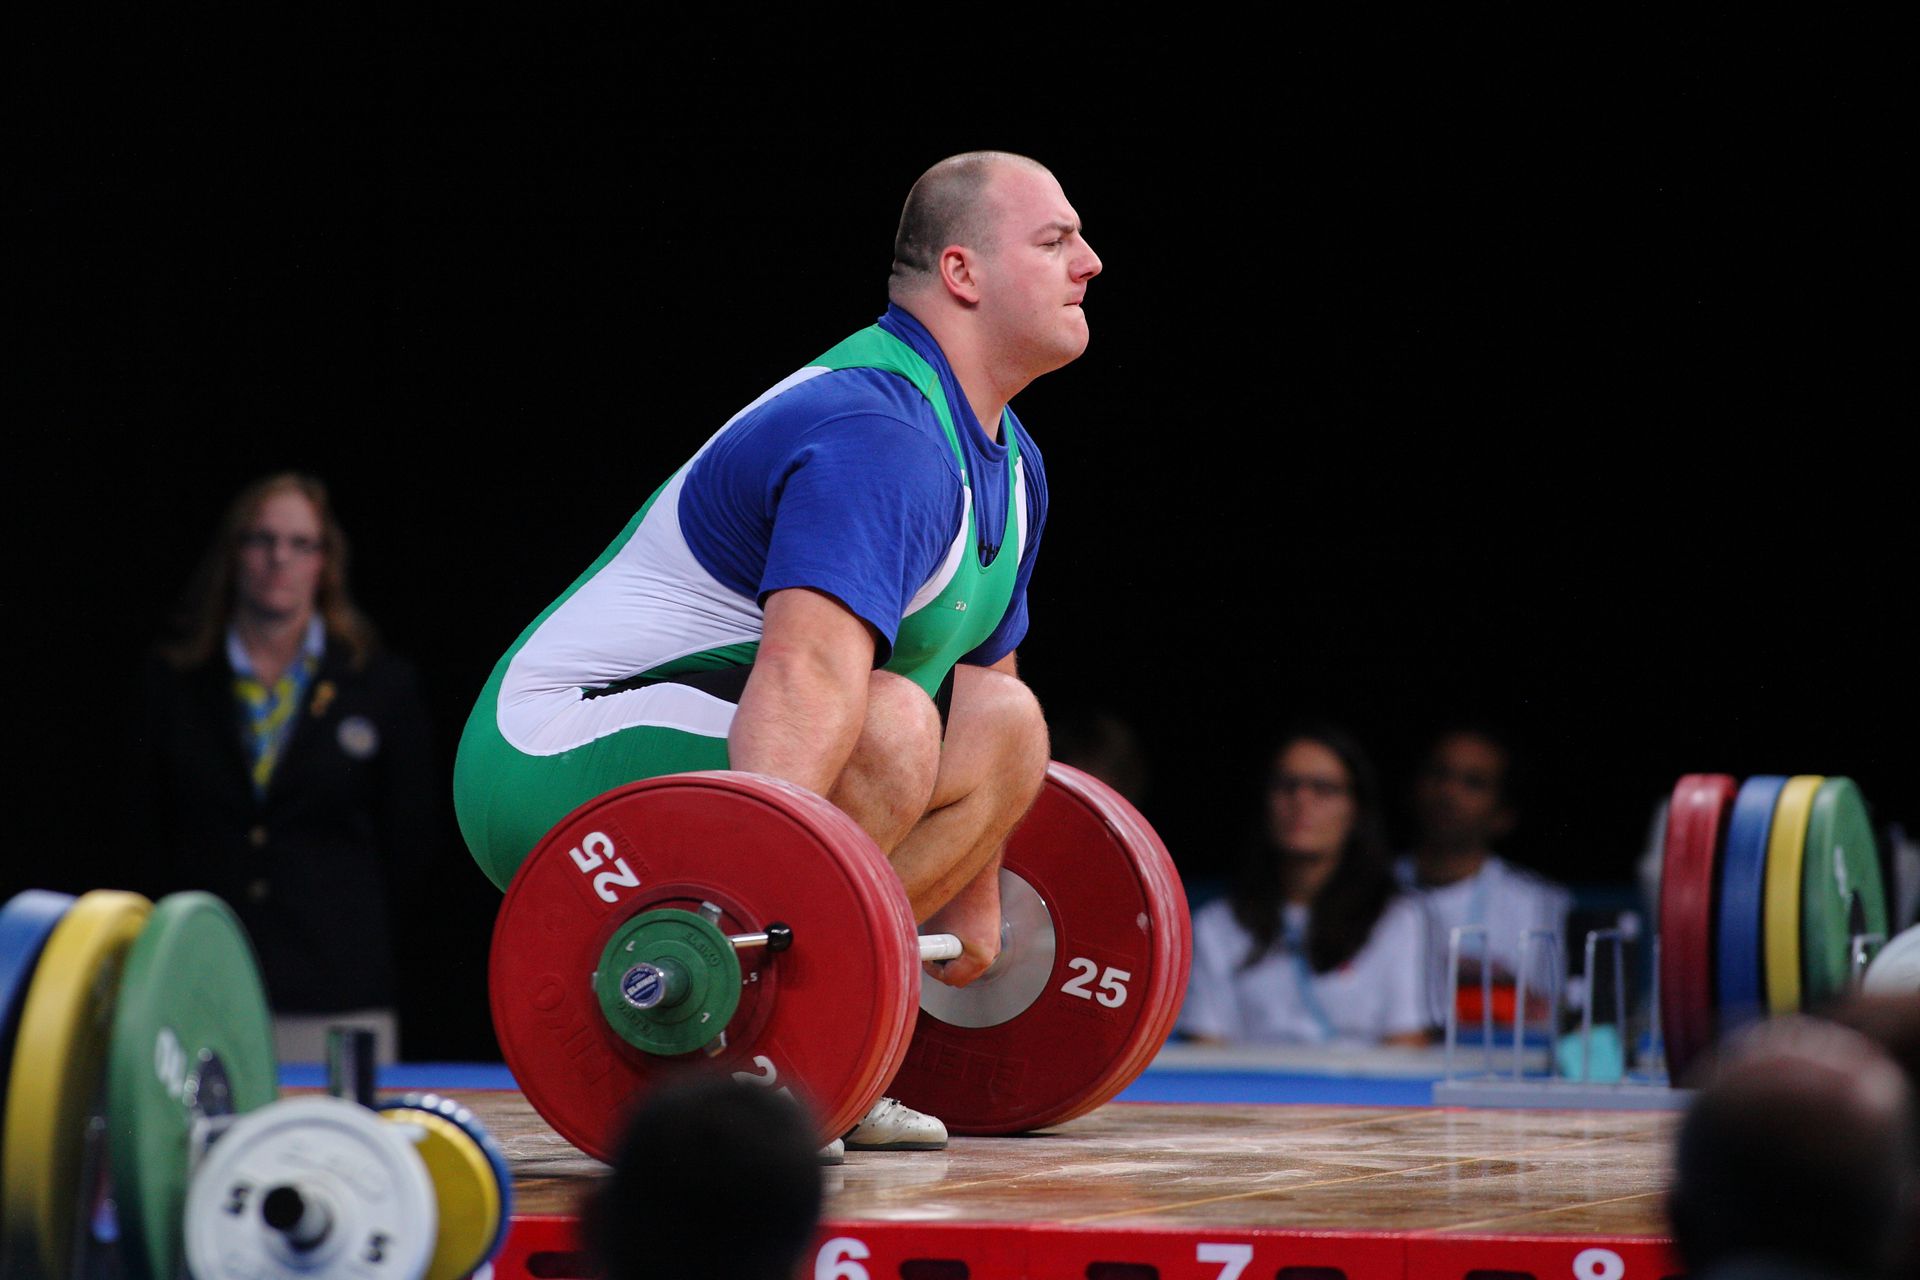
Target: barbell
(731, 921)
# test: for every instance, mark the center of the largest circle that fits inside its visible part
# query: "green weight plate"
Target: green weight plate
(1841, 868)
(668, 981)
(192, 1036)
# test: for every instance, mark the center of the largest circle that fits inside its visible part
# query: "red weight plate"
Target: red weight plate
(1696, 832)
(1171, 929)
(1177, 952)
(828, 1019)
(1122, 947)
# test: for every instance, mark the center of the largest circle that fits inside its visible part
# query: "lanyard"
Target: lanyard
(1477, 904)
(1296, 942)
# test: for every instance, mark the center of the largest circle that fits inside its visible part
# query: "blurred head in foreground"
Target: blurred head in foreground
(711, 1177)
(1798, 1153)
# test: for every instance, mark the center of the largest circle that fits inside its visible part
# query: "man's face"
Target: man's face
(1033, 276)
(1458, 793)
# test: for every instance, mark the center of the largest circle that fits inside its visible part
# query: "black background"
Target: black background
(1475, 364)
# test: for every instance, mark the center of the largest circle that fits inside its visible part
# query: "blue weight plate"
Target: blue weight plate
(25, 924)
(448, 1109)
(1740, 975)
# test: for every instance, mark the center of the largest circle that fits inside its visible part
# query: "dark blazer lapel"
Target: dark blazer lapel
(214, 701)
(319, 714)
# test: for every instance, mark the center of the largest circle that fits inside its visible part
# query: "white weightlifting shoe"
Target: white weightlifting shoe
(834, 1152)
(890, 1126)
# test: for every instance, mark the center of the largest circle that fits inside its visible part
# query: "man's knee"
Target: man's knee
(1010, 715)
(898, 754)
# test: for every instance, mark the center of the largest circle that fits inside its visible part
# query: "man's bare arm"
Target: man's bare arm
(806, 700)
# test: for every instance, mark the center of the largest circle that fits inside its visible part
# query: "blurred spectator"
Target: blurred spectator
(711, 1178)
(282, 762)
(1313, 944)
(1105, 745)
(1463, 804)
(1796, 1158)
(1892, 1021)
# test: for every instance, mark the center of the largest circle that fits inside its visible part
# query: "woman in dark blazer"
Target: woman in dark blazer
(284, 763)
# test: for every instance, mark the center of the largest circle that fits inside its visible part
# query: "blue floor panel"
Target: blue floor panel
(1153, 1086)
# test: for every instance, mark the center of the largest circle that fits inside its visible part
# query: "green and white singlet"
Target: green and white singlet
(603, 688)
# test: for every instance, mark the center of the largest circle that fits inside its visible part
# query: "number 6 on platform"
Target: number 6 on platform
(836, 1260)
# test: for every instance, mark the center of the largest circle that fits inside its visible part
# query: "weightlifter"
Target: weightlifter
(832, 589)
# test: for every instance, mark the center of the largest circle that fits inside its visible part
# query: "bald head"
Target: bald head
(950, 204)
(1798, 1148)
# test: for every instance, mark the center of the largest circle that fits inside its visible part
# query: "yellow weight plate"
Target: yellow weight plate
(1786, 852)
(465, 1187)
(59, 1066)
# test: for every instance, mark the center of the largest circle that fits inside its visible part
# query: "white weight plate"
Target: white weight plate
(310, 1186)
(1896, 969)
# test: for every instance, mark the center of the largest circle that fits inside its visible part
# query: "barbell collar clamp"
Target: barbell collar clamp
(778, 937)
(775, 938)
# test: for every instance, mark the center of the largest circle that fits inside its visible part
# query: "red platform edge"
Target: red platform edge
(548, 1248)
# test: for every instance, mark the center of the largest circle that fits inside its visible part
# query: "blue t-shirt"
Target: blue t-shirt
(846, 484)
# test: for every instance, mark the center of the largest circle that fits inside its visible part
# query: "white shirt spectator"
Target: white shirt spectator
(1508, 900)
(1280, 1000)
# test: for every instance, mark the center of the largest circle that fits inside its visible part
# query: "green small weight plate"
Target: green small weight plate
(1842, 864)
(668, 981)
(192, 1036)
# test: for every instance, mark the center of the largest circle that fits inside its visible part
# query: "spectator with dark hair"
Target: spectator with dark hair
(692, 1159)
(1464, 804)
(1313, 944)
(1795, 1160)
(283, 762)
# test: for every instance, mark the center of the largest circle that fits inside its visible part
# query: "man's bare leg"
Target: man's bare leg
(888, 782)
(991, 769)
(942, 811)
(992, 765)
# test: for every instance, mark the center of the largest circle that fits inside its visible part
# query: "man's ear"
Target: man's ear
(958, 267)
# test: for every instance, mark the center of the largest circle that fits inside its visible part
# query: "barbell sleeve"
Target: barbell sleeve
(778, 937)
